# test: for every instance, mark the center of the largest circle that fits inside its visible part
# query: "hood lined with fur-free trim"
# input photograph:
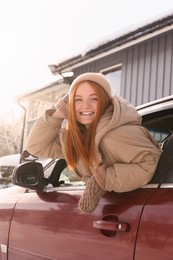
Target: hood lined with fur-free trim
(119, 113)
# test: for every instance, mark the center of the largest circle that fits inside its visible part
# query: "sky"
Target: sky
(36, 33)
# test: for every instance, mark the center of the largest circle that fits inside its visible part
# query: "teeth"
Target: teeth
(86, 113)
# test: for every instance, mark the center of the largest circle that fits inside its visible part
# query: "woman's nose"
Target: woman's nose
(86, 103)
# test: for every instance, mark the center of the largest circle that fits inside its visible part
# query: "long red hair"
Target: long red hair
(80, 141)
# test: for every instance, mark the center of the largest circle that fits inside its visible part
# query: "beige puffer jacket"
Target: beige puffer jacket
(127, 150)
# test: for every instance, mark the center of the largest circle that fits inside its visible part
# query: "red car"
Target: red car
(40, 219)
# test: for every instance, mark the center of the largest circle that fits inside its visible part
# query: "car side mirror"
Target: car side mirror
(29, 175)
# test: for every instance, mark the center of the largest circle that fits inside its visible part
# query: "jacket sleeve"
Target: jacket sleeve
(131, 160)
(44, 138)
(122, 177)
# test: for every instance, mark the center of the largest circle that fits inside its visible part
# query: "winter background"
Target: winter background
(37, 33)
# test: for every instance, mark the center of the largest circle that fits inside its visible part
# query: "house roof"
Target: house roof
(165, 20)
(50, 89)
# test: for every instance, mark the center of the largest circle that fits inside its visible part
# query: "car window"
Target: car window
(68, 176)
(159, 124)
(60, 177)
(169, 176)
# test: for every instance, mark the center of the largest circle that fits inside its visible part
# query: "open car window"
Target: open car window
(159, 124)
(63, 179)
(70, 178)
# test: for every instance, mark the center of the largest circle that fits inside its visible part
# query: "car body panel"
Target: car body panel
(51, 225)
(155, 238)
(8, 199)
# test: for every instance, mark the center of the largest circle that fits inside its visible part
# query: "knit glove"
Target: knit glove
(66, 97)
(62, 105)
(100, 175)
(91, 196)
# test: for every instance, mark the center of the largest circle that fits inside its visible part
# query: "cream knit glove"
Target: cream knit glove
(91, 196)
(62, 105)
(100, 175)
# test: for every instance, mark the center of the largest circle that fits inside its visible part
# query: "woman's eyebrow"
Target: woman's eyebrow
(93, 94)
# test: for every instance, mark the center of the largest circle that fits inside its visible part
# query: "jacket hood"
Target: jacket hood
(119, 113)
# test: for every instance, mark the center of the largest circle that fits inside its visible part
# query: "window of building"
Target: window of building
(113, 74)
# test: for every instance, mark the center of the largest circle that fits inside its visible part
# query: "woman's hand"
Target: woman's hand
(66, 97)
(100, 175)
(91, 196)
(61, 107)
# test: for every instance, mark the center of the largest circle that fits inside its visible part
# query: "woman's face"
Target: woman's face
(86, 104)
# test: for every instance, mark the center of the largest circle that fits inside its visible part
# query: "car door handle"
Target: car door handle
(111, 226)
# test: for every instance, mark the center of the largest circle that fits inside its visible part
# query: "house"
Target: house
(138, 62)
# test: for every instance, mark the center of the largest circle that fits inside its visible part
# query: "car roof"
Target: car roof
(156, 105)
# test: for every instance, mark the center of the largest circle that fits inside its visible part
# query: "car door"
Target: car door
(8, 198)
(155, 239)
(155, 236)
(49, 225)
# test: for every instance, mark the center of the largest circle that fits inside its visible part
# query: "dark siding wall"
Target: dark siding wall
(147, 69)
(101, 63)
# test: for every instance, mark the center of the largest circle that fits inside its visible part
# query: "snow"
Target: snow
(125, 31)
(118, 34)
(10, 160)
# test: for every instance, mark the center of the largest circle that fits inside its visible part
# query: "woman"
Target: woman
(103, 141)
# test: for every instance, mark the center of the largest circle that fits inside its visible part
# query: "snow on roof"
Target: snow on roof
(117, 34)
(125, 31)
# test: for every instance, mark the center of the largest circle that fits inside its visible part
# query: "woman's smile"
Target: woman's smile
(86, 113)
(86, 103)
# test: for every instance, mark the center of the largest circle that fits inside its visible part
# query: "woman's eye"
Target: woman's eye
(77, 99)
(90, 99)
(94, 98)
